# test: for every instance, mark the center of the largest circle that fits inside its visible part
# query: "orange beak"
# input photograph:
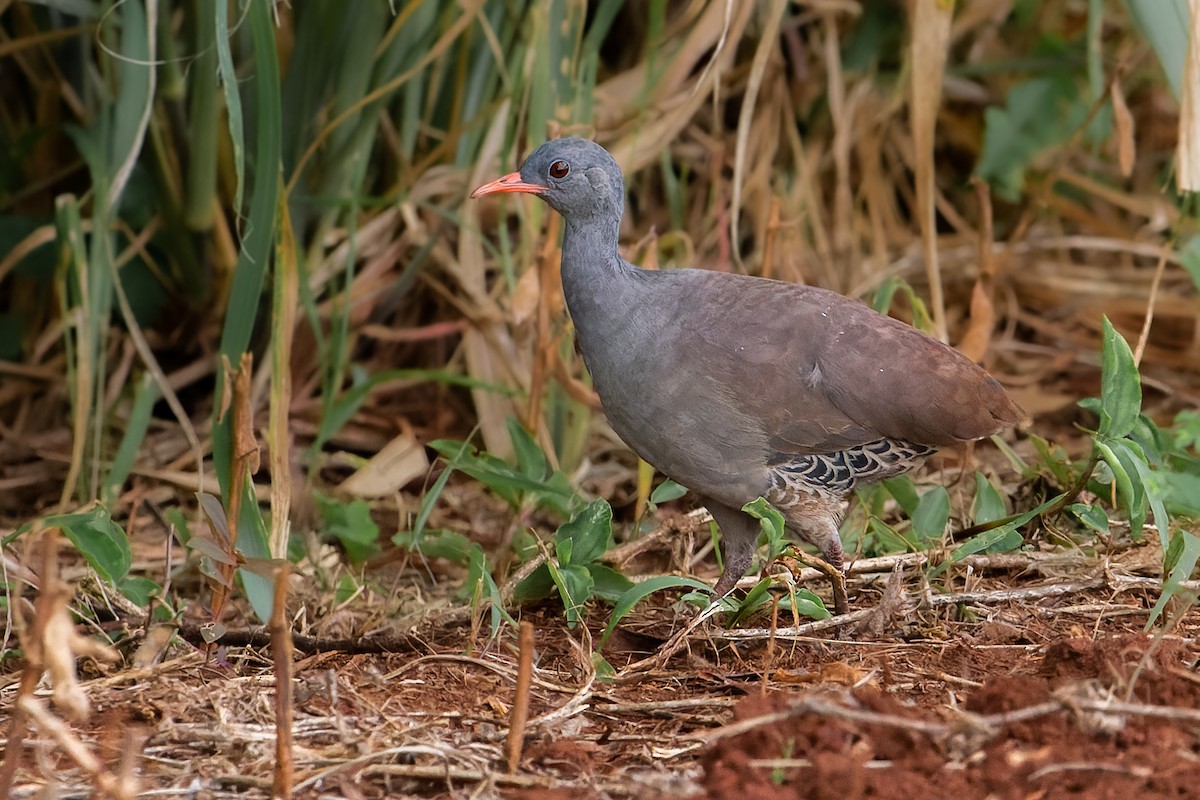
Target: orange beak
(509, 183)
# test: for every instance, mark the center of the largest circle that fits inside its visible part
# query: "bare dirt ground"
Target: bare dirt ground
(1017, 676)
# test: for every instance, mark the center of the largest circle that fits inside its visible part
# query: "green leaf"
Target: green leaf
(503, 479)
(481, 587)
(531, 461)
(1000, 539)
(1189, 257)
(101, 541)
(1179, 565)
(347, 586)
(667, 491)
(754, 598)
(351, 524)
(625, 603)
(1165, 25)
(932, 514)
(439, 543)
(575, 585)
(806, 604)
(1055, 459)
(538, 585)
(989, 505)
(1091, 515)
(1130, 490)
(1120, 385)
(139, 589)
(770, 521)
(587, 536)
(605, 672)
(252, 542)
(1153, 493)
(138, 423)
(905, 493)
(890, 540)
(1004, 539)
(608, 584)
(1037, 114)
(1182, 493)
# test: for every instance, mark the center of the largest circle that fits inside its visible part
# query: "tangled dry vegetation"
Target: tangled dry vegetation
(755, 137)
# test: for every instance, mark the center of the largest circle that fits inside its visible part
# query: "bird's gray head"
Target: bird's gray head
(578, 178)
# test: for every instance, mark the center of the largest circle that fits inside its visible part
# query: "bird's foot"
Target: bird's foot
(797, 559)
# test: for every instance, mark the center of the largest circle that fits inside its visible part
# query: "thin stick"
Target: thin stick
(1145, 334)
(520, 709)
(281, 652)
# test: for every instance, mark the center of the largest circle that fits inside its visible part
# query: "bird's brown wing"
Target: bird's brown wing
(821, 372)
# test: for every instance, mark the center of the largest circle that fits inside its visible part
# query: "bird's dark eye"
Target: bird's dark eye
(559, 169)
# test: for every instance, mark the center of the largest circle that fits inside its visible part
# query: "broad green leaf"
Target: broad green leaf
(905, 493)
(989, 505)
(1182, 493)
(253, 543)
(608, 584)
(587, 536)
(1037, 114)
(101, 541)
(642, 590)
(1165, 24)
(1130, 490)
(531, 461)
(538, 585)
(932, 514)
(1120, 385)
(666, 491)
(805, 603)
(351, 524)
(769, 519)
(1179, 565)
(890, 540)
(139, 589)
(1091, 515)
(1154, 496)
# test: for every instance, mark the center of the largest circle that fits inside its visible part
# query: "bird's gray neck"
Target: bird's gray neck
(592, 269)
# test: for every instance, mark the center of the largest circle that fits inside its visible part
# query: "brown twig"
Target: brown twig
(519, 714)
(281, 652)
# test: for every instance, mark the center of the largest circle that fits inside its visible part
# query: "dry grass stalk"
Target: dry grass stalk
(930, 38)
(1187, 161)
(51, 646)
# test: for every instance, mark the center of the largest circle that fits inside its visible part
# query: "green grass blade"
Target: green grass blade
(233, 101)
(145, 397)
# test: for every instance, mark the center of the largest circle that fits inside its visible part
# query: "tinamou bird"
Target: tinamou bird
(739, 387)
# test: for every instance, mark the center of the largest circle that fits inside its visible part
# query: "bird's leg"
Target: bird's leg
(815, 521)
(739, 534)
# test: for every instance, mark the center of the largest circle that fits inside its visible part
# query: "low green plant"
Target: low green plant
(575, 569)
(1140, 469)
(103, 544)
(528, 483)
